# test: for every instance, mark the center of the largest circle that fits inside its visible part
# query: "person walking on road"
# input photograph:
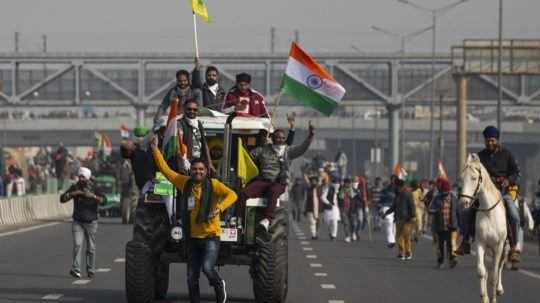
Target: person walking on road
(204, 199)
(128, 190)
(417, 195)
(313, 206)
(375, 193)
(405, 215)
(445, 217)
(298, 196)
(388, 195)
(329, 198)
(84, 227)
(348, 209)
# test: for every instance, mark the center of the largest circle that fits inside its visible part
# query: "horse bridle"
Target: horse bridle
(476, 190)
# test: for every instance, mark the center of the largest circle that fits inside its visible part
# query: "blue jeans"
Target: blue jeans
(513, 218)
(202, 254)
(84, 232)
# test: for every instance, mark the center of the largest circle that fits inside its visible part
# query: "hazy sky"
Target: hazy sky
(244, 25)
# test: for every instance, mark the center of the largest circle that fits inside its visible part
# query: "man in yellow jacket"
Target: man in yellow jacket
(205, 199)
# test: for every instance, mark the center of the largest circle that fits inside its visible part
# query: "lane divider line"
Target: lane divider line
(27, 229)
(311, 256)
(81, 282)
(304, 243)
(52, 297)
(119, 260)
(336, 301)
(307, 248)
(103, 270)
(521, 271)
(321, 274)
(328, 286)
(315, 265)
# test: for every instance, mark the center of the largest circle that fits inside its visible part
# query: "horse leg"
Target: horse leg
(482, 273)
(502, 259)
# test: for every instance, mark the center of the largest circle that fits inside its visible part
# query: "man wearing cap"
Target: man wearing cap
(244, 100)
(85, 207)
(504, 171)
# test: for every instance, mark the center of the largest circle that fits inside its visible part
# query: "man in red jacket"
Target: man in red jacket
(244, 100)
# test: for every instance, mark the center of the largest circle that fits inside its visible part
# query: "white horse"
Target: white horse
(490, 224)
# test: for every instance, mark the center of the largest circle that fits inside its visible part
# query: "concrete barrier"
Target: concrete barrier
(17, 210)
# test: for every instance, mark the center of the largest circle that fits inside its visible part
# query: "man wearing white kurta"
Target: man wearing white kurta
(331, 217)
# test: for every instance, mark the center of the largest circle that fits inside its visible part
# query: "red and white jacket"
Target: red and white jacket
(255, 105)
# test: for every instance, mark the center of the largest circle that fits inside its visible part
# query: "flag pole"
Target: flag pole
(195, 37)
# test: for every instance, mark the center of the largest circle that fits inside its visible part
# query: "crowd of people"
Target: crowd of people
(405, 209)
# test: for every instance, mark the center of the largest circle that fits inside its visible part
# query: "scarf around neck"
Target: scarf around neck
(206, 199)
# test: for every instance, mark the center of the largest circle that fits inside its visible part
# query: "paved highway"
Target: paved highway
(34, 267)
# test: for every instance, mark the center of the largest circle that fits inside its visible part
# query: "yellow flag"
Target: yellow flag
(246, 169)
(200, 9)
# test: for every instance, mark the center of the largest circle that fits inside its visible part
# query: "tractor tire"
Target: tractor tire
(161, 280)
(139, 273)
(269, 269)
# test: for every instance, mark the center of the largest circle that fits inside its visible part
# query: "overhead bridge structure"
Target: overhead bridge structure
(135, 83)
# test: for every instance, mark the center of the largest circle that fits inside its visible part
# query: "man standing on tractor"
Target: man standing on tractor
(504, 171)
(273, 161)
(212, 93)
(204, 200)
(183, 90)
(244, 100)
(194, 135)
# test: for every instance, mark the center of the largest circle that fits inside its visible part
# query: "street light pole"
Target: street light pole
(499, 69)
(403, 39)
(434, 13)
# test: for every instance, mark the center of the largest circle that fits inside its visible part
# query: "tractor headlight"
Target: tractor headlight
(176, 233)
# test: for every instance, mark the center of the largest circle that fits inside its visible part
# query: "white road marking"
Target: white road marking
(321, 274)
(103, 270)
(119, 260)
(328, 286)
(81, 282)
(521, 271)
(336, 301)
(311, 256)
(52, 297)
(302, 238)
(315, 265)
(529, 273)
(27, 229)
(304, 243)
(307, 248)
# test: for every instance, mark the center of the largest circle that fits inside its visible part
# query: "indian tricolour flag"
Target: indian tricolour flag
(170, 140)
(310, 83)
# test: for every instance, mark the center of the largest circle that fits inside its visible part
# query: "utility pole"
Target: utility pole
(499, 69)
(44, 50)
(272, 39)
(16, 43)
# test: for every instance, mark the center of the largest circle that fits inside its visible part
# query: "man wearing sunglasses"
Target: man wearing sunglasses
(194, 135)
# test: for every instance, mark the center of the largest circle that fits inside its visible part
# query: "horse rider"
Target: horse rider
(504, 172)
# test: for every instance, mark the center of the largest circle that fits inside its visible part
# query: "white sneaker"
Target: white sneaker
(354, 238)
(265, 223)
(348, 239)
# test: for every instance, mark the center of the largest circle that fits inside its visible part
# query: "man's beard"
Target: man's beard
(210, 82)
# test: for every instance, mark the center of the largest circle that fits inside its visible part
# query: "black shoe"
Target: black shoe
(221, 292)
(453, 262)
(314, 238)
(91, 275)
(391, 245)
(75, 274)
(464, 248)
